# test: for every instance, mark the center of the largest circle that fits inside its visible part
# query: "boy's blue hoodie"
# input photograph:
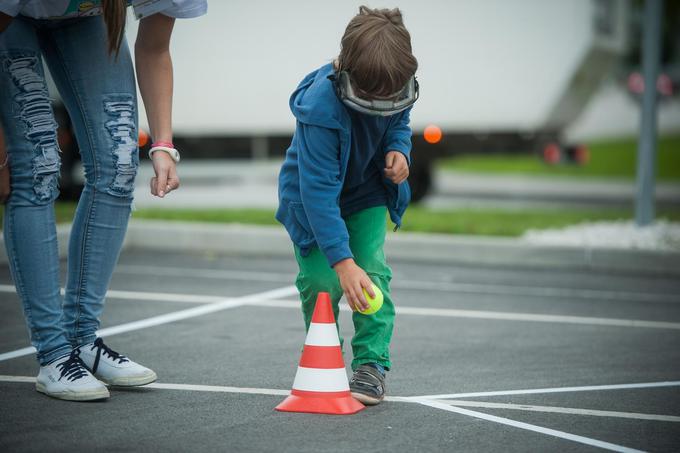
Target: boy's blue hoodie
(313, 173)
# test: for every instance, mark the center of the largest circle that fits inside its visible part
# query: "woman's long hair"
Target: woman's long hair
(114, 12)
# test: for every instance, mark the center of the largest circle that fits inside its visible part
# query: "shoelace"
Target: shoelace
(72, 368)
(103, 349)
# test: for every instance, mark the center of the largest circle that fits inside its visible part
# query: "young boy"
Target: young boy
(346, 166)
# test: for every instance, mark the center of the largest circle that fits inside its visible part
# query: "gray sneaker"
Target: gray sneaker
(67, 378)
(113, 368)
(368, 385)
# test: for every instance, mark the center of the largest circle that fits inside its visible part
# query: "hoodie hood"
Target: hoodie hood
(314, 101)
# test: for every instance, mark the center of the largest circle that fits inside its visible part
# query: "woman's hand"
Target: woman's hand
(154, 76)
(166, 179)
(396, 167)
(353, 280)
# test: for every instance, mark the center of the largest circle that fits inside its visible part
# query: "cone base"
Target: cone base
(344, 405)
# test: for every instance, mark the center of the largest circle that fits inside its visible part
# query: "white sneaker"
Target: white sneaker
(67, 378)
(113, 368)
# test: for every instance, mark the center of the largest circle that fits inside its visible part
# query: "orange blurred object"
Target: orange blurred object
(432, 134)
(143, 138)
(552, 153)
(581, 155)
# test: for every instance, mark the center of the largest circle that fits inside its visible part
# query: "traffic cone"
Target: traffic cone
(321, 384)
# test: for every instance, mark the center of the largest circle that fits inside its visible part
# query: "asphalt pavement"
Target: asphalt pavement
(486, 358)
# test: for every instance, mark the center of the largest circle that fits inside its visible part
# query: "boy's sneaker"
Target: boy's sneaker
(113, 368)
(368, 385)
(67, 378)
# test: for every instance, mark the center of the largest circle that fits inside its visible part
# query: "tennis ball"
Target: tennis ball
(374, 303)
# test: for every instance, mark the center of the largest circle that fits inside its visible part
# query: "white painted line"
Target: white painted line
(17, 353)
(164, 297)
(174, 316)
(587, 388)
(531, 317)
(562, 410)
(216, 274)
(203, 388)
(528, 427)
(144, 295)
(5, 378)
(188, 387)
(401, 310)
(500, 315)
(442, 286)
(535, 291)
(398, 399)
(218, 388)
(171, 317)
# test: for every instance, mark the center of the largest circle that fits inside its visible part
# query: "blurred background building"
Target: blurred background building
(539, 77)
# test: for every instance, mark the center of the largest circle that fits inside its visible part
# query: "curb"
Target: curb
(254, 240)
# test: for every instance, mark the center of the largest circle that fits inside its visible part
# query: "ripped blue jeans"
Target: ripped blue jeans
(99, 93)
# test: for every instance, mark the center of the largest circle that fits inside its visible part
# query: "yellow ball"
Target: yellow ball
(374, 303)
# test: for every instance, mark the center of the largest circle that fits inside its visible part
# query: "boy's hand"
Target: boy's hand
(396, 167)
(166, 178)
(352, 280)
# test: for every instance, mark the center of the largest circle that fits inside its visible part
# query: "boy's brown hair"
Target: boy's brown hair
(376, 52)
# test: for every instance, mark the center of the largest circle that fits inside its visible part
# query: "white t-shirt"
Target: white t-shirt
(62, 9)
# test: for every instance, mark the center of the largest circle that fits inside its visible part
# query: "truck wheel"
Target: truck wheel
(420, 180)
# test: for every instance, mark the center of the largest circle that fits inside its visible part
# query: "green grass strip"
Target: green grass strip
(493, 222)
(608, 159)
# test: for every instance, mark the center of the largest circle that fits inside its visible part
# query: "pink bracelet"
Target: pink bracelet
(165, 144)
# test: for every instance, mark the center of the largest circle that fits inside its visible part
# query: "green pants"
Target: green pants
(372, 333)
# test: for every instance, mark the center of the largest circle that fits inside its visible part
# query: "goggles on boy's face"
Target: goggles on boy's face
(389, 105)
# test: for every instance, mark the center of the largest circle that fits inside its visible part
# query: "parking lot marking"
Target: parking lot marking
(17, 353)
(424, 402)
(398, 399)
(531, 317)
(165, 297)
(5, 378)
(219, 388)
(442, 286)
(537, 291)
(562, 410)
(585, 388)
(500, 315)
(153, 321)
(144, 295)
(401, 310)
(526, 426)
(450, 406)
(204, 388)
(218, 274)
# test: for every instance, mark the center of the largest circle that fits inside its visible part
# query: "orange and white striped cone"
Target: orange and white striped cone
(321, 384)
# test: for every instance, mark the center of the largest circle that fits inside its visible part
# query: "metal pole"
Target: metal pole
(646, 156)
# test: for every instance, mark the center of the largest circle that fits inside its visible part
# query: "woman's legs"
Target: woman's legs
(100, 95)
(29, 224)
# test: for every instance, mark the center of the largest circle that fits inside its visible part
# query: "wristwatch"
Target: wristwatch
(172, 152)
